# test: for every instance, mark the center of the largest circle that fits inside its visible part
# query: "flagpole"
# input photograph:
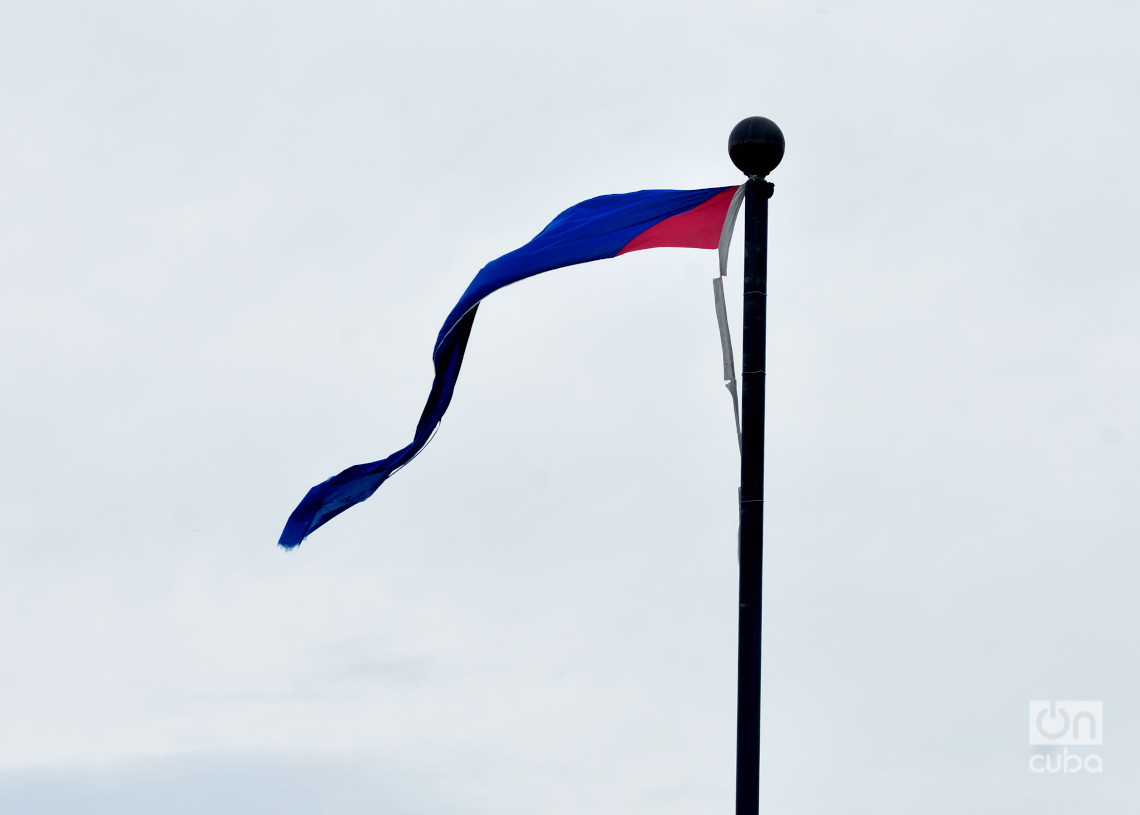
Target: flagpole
(755, 146)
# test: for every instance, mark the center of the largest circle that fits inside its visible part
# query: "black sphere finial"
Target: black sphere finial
(756, 146)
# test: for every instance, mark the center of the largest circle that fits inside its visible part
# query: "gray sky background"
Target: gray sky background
(229, 233)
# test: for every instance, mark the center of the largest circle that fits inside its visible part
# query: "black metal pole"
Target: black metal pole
(756, 146)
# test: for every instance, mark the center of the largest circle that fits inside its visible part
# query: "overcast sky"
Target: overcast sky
(229, 233)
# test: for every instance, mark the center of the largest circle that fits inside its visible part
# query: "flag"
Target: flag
(602, 227)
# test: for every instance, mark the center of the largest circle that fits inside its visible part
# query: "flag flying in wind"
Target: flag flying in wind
(602, 227)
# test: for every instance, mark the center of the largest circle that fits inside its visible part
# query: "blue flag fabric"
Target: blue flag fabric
(602, 227)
